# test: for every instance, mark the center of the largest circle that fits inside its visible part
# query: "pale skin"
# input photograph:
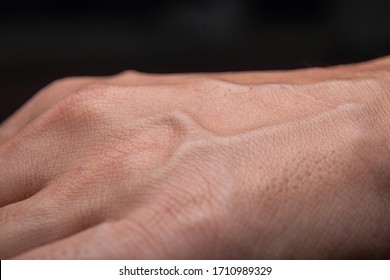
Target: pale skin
(275, 165)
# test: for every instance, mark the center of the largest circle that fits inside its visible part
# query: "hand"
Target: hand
(289, 164)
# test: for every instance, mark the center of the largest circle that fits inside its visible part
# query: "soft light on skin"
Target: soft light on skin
(278, 165)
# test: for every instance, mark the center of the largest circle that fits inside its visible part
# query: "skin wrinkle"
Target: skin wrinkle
(83, 216)
(12, 164)
(303, 175)
(343, 108)
(42, 219)
(63, 253)
(226, 140)
(141, 232)
(217, 99)
(238, 76)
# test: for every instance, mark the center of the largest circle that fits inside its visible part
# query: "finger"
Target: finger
(142, 234)
(47, 148)
(104, 241)
(21, 175)
(88, 244)
(28, 163)
(40, 103)
(66, 138)
(41, 219)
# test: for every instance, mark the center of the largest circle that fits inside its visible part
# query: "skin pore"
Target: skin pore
(277, 165)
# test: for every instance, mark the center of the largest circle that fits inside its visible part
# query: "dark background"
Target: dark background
(42, 40)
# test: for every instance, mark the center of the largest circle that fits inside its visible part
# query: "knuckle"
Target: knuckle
(61, 83)
(85, 107)
(129, 73)
(63, 87)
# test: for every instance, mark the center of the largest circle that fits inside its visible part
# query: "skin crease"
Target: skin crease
(252, 165)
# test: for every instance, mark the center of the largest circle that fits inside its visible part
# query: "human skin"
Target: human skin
(247, 165)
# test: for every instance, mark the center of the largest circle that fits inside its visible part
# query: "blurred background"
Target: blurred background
(43, 40)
